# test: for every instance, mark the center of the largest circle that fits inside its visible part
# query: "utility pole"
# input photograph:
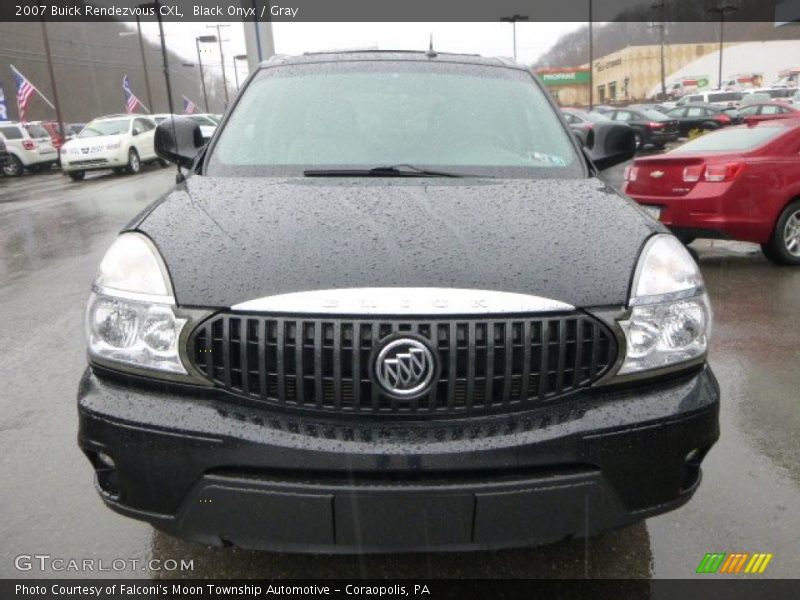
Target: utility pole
(222, 60)
(144, 65)
(659, 4)
(721, 7)
(513, 20)
(591, 59)
(197, 40)
(61, 131)
(235, 68)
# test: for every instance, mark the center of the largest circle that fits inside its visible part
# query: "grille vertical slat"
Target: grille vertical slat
(337, 365)
(483, 366)
(470, 365)
(356, 357)
(318, 398)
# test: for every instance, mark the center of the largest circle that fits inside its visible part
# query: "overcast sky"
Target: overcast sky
(492, 39)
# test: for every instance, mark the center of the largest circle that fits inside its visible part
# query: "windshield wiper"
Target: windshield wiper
(402, 170)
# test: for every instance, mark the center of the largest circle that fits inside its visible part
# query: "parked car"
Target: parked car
(650, 126)
(415, 319)
(119, 142)
(719, 98)
(53, 132)
(24, 151)
(702, 117)
(581, 122)
(740, 183)
(769, 110)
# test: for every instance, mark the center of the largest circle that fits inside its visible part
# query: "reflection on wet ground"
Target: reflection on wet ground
(52, 235)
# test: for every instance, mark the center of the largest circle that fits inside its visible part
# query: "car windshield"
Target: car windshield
(101, 128)
(654, 115)
(202, 119)
(37, 131)
(459, 118)
(735, 139)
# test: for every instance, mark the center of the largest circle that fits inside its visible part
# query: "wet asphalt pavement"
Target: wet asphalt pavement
(52, 235)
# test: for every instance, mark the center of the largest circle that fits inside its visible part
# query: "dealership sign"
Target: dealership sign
(565, 77)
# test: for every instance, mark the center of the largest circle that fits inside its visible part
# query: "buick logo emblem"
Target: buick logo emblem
(405, 368)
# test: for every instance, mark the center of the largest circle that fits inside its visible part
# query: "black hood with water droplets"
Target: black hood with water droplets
(228, 240)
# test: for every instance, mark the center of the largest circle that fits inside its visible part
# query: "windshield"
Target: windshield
(202, 120)
(37, 131)
(735, 139)
(360, 115)
(100, 128)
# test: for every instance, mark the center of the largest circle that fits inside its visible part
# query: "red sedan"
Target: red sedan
(740, 183)
(766, 111)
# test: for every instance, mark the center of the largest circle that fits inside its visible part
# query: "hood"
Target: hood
(230, 240)
(92, 142)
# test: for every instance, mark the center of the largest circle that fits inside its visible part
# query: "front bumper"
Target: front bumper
(75, 160)
(215, 472)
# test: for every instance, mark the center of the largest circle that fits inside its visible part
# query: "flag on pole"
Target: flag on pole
(25, 90)
(189, 107)
(131, 101)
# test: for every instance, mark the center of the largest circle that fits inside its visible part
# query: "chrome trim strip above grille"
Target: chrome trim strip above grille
(403, 301)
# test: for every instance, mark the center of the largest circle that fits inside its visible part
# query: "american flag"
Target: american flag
(189, 107)
(25, 90)
(131, 101)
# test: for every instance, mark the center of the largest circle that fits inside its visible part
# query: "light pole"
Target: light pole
(721, 7)
(591, 59)
(222, 60)
(236, 69)
(659, 4)
(61, 131)
(204, 39)
(513, 20)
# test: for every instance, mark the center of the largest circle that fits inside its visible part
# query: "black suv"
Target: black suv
(393, 308)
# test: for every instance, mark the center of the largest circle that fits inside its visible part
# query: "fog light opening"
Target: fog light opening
(691, 469)
(105, 472)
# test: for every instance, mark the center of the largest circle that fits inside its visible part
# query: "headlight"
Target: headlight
(131, 317)
(670, 316)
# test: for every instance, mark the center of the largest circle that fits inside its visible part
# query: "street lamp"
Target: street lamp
(235, 68)
(721, 7)
(156, 6)
(513, 20)
(221, 60)
(659, 4)
(205, 39)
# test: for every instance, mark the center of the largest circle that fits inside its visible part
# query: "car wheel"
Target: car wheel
(639, 140)
(783, 247)
(77, 175)
(12, 167)
(134, 163)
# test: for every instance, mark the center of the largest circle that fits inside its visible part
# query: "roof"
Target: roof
(391, 55)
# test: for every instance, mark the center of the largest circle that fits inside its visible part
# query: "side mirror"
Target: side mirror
(610, 144)
(178, 140)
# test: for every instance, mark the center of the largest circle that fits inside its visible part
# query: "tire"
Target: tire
(639, 137)
(783, 247)
(13, 167)
(77, 175)
(134, 162)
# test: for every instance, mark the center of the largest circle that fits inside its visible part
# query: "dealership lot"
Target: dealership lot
(52, 235)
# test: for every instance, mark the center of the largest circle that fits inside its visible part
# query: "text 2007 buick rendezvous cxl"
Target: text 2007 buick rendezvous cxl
(393, 308)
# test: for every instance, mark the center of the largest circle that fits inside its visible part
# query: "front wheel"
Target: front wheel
(783, 247)
(12, 167)
(134, 163)
(77, 175)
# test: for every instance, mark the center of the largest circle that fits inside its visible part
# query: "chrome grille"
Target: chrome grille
(485, 365)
